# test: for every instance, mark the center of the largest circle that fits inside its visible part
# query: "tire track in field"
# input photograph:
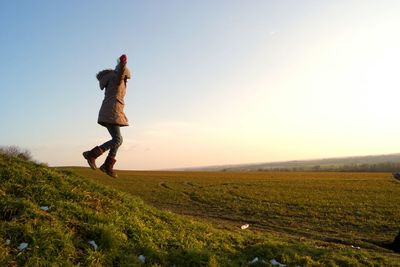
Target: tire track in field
(192, 196)
(163, 184)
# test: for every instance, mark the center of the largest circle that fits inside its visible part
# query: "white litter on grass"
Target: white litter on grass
(142, 258)
(45, 208)
(255, 260)
(94, 245)
(355, 247)
(8, 242)
(22, 246)
(277, 263)
(244, 226)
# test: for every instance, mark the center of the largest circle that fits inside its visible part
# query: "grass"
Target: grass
(328, 208)
(353, 208)
(124, 227)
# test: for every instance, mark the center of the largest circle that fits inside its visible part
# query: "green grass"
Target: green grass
(328, 209)
(352, 208)
(124, 227)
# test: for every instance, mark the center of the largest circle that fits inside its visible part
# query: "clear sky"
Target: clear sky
(214, 81)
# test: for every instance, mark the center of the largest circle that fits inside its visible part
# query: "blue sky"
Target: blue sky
(214, 82)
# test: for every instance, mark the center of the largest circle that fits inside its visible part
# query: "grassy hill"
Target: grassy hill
(123, 228)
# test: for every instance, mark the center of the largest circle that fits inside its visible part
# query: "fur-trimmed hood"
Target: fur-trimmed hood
(104, 76)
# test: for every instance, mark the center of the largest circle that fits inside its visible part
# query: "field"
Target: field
(68, 217)
(352, 209)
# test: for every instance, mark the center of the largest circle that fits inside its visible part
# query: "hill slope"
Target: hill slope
(122, 227)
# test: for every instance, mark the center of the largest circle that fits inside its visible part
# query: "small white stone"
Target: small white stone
(94, 245)
(254, 260)
(22, 246)
(142, 258)
(45, 208)
(244, 226)
(8, 242)
(277, 263)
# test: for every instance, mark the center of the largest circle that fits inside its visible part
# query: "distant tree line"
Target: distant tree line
(364, 167)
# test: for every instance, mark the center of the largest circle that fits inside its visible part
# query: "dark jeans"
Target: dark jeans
(115, 142)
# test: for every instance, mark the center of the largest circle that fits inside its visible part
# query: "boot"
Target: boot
(108, 166)
(91, 156)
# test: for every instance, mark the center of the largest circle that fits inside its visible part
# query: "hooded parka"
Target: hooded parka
(112, 108)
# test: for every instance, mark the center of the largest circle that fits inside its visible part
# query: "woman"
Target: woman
(111, 114)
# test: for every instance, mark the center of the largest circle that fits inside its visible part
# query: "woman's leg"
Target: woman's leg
(112, 145)
(115, 142)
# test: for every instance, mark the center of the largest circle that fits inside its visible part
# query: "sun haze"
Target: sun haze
(213, 82)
